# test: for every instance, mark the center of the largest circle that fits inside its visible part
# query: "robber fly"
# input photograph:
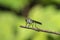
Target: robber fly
(30, 21)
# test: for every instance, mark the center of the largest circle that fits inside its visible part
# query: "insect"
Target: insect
(30, 22)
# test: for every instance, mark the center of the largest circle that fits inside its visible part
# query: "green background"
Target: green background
(10, 23)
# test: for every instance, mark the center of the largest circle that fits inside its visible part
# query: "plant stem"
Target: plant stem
(41, 30)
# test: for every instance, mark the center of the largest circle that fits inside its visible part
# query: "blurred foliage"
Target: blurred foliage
(57, 1)
(10, 22)
(14, 4)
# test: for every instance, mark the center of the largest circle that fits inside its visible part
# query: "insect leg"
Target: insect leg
(29, 25)
(32, 25)
(36, 26)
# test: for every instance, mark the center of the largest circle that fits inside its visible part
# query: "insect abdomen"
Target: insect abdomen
(37, 22)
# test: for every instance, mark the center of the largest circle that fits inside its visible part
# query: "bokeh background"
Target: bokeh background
(14, 12)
